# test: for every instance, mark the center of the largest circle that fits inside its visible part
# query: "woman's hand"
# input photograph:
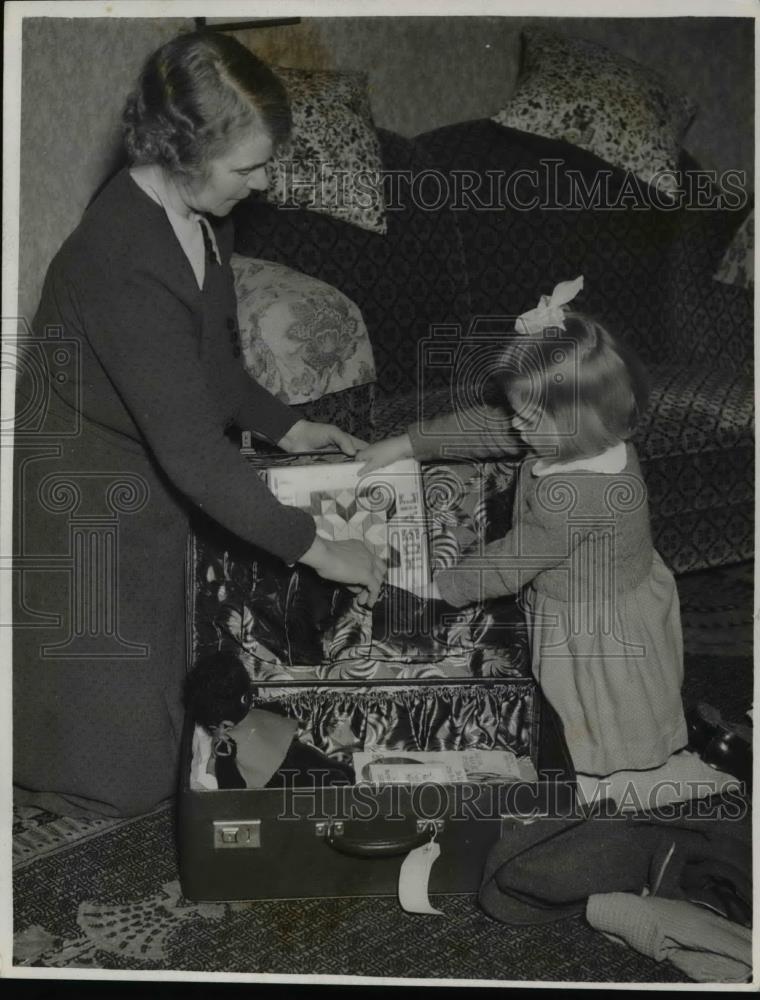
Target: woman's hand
(428, 591)
(375, 456)
(306, 435)
(349, 562)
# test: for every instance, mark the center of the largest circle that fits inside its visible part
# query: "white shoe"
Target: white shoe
(683, 776)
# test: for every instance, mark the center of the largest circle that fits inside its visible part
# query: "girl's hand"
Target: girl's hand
(350, 563)
(375, 456)
(306, 435)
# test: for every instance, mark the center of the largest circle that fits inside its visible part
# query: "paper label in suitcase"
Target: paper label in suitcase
(441, 766)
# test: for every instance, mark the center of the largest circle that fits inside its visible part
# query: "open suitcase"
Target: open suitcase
(464, 683)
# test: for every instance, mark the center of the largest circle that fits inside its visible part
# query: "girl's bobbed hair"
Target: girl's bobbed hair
(591, 385)
(196, 95)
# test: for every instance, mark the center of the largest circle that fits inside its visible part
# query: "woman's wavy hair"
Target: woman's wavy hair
(591, 385)
(195, 96)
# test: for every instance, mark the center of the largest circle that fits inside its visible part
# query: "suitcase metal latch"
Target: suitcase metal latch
(431, 826)
(334, 827)
(237, 833)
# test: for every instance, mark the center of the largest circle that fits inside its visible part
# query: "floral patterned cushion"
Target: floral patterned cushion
(333, 164)
(738, 264)
(301, 338)
(582, 93)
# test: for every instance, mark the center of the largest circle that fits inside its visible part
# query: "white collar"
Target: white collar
(611, 461)
(151, 179)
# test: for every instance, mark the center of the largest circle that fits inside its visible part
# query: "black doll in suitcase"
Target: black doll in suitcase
(251, 747)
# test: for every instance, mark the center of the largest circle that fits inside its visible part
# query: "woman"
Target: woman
(145, 288)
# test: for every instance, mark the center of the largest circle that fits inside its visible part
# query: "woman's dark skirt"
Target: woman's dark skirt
(99, 647)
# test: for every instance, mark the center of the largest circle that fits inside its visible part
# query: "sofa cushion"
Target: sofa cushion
(353, 410)
(394, 412)
(576, 90)
(301, 338)
(697, 449)
(696, 409)
(695, 540)
(737, 267)
(333, 163)
(403, 282)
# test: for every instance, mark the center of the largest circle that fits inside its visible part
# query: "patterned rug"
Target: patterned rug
(126, 911)
(104, 894)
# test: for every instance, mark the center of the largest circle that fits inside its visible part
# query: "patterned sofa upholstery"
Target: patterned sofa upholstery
(458, 264)
(403, 282)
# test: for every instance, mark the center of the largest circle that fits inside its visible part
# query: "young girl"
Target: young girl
(602, 606)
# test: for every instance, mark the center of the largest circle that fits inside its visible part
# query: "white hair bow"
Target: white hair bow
(549, 311)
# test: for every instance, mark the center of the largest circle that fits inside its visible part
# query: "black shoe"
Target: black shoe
(720, 744)
(731, 753)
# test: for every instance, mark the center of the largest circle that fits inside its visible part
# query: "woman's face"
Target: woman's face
(231, 178)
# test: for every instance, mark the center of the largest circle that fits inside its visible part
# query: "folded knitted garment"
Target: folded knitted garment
(546, 870)
(705, 946)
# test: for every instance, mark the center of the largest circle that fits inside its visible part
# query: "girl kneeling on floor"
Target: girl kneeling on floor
(602, 606)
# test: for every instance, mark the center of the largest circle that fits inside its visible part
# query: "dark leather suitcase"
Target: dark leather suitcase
(304, 842)
(460, 683)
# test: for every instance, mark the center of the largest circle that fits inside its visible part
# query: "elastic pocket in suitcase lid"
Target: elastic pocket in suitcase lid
(342, 720)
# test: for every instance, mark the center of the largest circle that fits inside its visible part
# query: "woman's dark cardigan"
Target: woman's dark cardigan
(100, 654)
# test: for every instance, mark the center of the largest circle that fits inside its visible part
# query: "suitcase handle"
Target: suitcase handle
(382, 847)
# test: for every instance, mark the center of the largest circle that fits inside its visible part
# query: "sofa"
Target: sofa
(373, 320)
(453, 270)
